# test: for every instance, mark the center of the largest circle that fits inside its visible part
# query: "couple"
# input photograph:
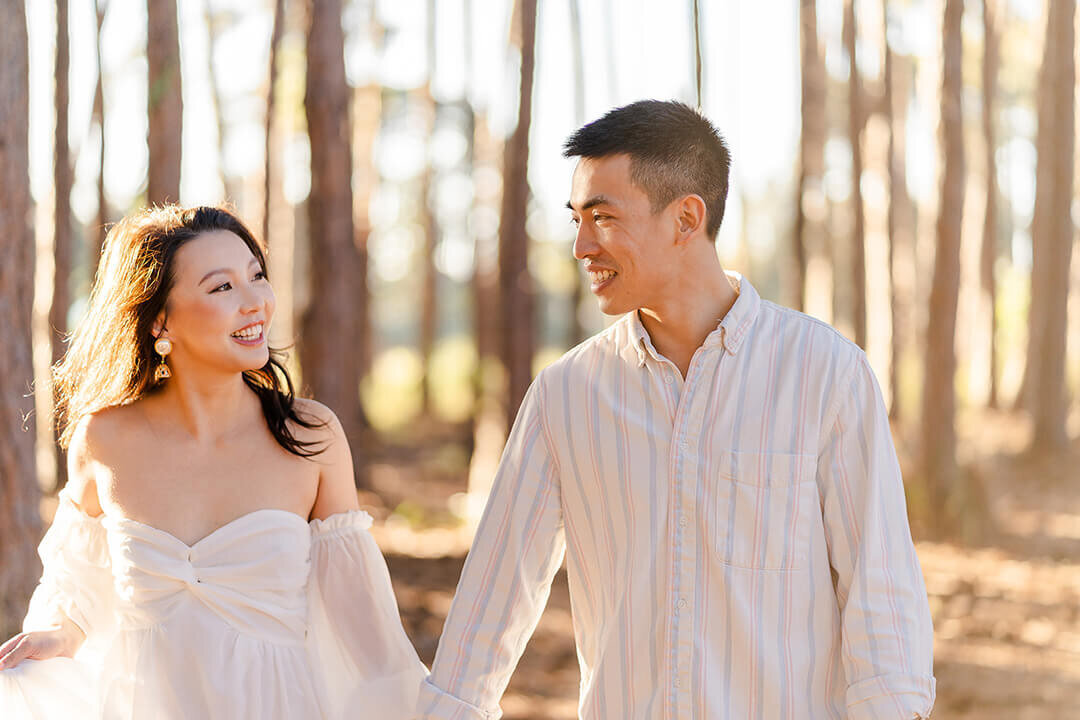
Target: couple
(718, 470)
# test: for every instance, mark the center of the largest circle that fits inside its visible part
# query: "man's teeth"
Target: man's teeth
(601, 275)
(250, 333)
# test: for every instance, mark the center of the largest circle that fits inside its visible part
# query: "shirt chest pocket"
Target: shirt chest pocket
(763, 505)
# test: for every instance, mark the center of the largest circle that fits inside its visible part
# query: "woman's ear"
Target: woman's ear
(690, 216)
(158, 328)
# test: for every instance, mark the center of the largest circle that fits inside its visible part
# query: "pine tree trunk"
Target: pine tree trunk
(429, 289)
(1052, 231)
(808, 235)
(900, 230)
(939, 402)
(97, 236)
(165, 104)
(517, 322)
(576, 332)
(270, 163)
(367, 117)
(212, 32)
(856, 120)
(62, 236)
(19, 494)
(330, 331)
(989, 251)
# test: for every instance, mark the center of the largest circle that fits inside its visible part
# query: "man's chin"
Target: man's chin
(613, 308)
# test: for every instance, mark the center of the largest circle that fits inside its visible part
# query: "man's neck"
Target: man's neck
(679, 327)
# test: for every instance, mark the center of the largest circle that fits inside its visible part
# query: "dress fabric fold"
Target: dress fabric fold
(268, 617)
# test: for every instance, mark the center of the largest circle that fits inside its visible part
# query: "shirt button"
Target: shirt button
(682, 603)
(678, 683)
(683, 521)
(668, 378)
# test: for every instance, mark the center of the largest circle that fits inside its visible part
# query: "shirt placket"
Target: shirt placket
(685, 464)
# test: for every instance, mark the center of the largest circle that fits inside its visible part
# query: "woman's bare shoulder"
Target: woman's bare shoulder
(88, 444)
(326, 425)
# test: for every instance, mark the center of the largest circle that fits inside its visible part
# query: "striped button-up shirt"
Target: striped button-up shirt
(736, 542)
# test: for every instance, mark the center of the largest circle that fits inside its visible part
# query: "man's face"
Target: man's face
(623, 245)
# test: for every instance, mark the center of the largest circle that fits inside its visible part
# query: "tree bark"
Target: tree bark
(270, 165)
(19, 494)
(1052, 231)
(576, 333)
(429, 290)
(899, 213)
(989, 252)
(808, 230)
(97, 236)
(212, 23)
(62, 235)
(330, 332)
(856, 120)
(165, 104)
(517, 322)
(938, 407)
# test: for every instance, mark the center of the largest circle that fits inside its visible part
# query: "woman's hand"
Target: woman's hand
(61, 641)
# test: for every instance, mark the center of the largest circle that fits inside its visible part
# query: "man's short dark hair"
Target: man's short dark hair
(673, 149)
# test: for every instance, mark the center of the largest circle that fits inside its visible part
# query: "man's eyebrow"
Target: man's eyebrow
(223, 270)
(591, 202)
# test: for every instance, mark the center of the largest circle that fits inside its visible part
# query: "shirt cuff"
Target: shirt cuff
(903, 697)
(437, 704)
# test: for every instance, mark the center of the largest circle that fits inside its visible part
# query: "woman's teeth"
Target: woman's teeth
(252, 333)
(601, 275)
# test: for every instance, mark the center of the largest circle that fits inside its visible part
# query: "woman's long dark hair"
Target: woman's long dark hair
(111, 360)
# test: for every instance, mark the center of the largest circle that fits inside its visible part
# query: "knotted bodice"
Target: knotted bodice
(251, 572)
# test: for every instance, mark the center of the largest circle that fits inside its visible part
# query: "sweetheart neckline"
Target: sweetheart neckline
(212, 533)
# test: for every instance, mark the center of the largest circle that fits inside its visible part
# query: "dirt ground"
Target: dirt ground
(1005, 594)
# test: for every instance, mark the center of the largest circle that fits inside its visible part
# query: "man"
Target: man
(717, 469)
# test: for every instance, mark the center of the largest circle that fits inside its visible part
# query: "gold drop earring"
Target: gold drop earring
(162, 346)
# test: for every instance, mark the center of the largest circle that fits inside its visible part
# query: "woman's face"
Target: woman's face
(219, 310)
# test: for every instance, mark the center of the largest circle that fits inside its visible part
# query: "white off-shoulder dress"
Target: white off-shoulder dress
(268, 617)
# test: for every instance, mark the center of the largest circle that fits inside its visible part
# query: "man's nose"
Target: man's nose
(584, 244)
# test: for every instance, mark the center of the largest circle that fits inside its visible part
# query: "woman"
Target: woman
(207, 558)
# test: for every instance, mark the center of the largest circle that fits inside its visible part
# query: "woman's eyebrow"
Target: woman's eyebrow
(224, 270)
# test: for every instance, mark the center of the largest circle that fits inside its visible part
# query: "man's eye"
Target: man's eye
(575, 221)
(598, 217)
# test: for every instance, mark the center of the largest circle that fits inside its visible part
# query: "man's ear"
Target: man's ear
(689, 216)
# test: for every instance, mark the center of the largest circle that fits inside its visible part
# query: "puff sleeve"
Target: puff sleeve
(355, 633)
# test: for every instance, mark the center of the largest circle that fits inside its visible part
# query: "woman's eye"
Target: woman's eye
(222, 286)
(261, 275)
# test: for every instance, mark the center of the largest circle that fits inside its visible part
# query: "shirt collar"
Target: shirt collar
(729, 332)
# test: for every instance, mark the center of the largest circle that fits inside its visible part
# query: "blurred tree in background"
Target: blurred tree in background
(21, 526)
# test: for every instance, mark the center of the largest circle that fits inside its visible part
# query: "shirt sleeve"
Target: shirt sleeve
(886, 631)
(76, 582)
(363, 657)
(504, 586)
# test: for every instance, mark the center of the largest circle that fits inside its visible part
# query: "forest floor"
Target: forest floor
(1004, 592)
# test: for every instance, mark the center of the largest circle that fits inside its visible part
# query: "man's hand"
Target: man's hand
(61, 641)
